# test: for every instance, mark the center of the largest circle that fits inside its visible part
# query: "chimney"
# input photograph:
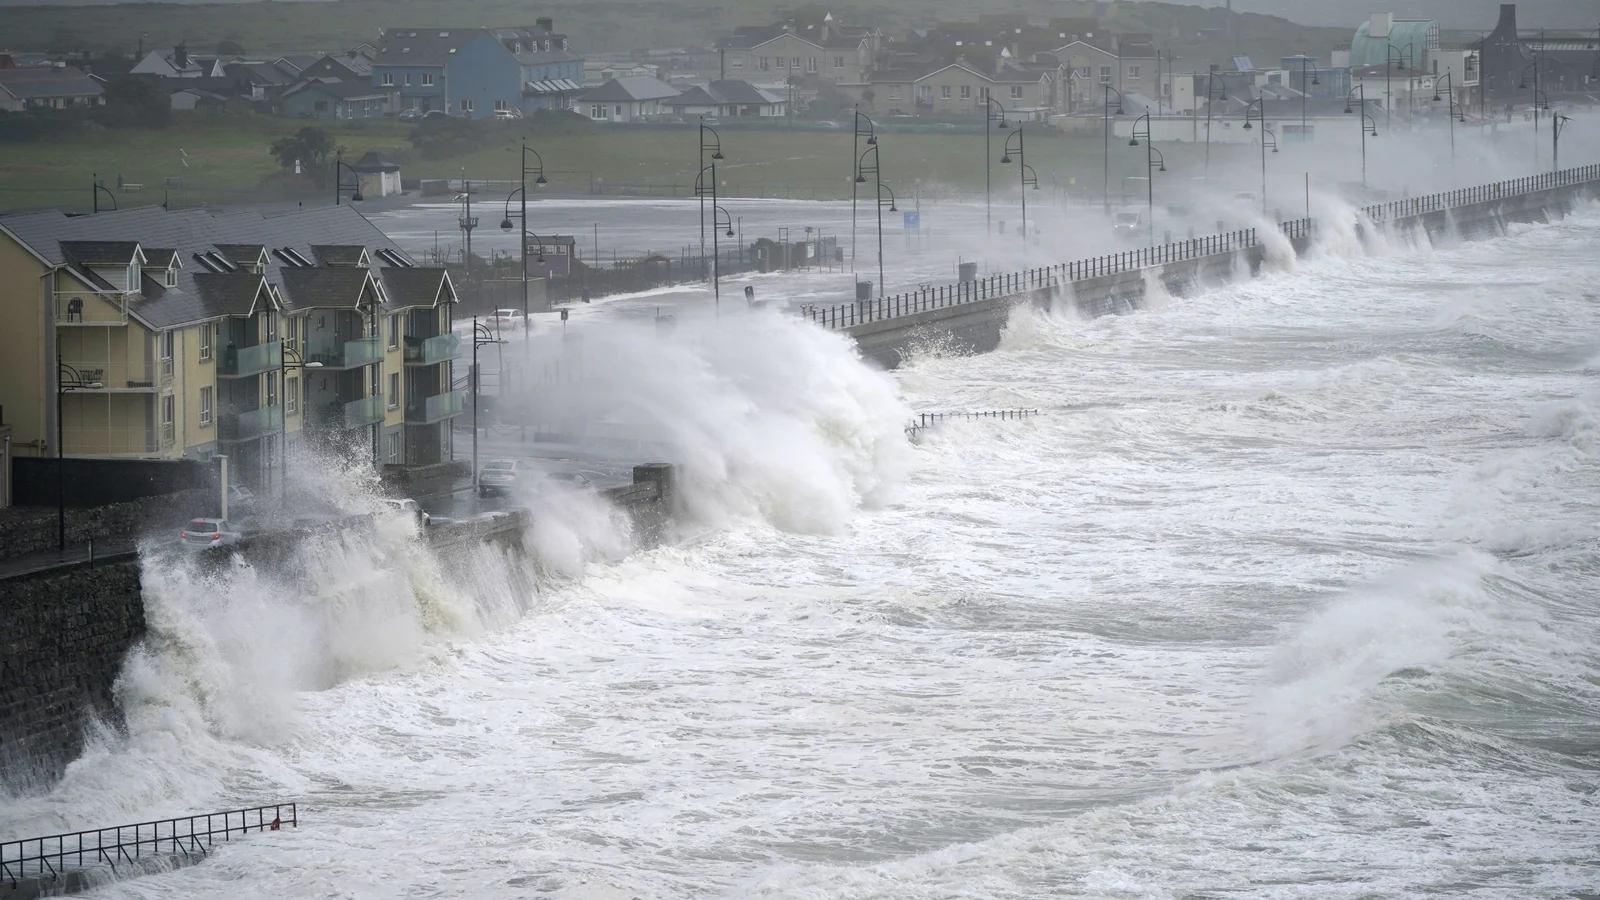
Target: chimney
(547, 23)
(180, 56)
(1380, 25)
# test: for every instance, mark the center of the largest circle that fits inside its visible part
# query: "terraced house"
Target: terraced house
(168, 335)
(477, 71)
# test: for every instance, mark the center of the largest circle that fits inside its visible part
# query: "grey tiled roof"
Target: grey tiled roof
(415, 287)
(25, 84)
(422, 46)
(242, 254)
(322, 288)
(229, 295)
(338, 254)
(158, 258)
(91, 253)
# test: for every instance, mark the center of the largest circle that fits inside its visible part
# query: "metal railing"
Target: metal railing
(104, 308)
(925, 421)
(1414, 206)
(53, 856)
(338, 354)
(114, 375)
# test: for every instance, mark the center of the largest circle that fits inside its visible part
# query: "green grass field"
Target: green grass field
(230, 163)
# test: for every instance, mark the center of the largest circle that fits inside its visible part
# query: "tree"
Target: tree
(310, 147)
(135, 101)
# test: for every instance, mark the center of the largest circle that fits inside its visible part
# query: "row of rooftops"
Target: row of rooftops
(196, 266)
(432, 47)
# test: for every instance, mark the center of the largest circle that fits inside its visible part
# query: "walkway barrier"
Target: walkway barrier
(925, 421)
(49, 858)
(1011, 285)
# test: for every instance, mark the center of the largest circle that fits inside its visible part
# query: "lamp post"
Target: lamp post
(1396, 58)
(1369, 125)
(990, 106)
(1557, 123)
(717, 224)
(702, 191)
(892, 208)
(855, 151)
(1450, 91)
(862, 168)
(67, 379)
(524, 233)
(1522, 84)
(1257, 111)
(1025, 174)
(481, 337)
(339, 186)
(709, 141)
(1315, 79)
(95, 190)
(1211, 77)
(1105, 187)
(1152, 158)
(284, 365)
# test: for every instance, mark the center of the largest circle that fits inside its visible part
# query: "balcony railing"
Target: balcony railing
(248, 426)
(436, 408)
(434, 350)
(94, 308)
(114, 375)
(337, 354)
(352, 414)
(241, 362)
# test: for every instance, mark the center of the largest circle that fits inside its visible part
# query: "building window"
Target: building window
(966, 92)
(944, 92)
(466, 106)
(291, 333)
(205, 407)
(766, 63)
(1133, 71)
(736, 62)
(618, 110)
(427, 78)
(408, 79)
(811, 64)
(894, 92)
(1105, 74)
(394, 449)
(1085, 72)
(394, 390)
(599, 111)
(388, 79)
(205, 342)
(169, 414)
(320, 106)
(394, 331)
(291, 395)
(838, 62)
(172, 276)
(166, 353)
(272, 389)
(1016, 92)
(272, 325)
(794, 62)
(501, 104)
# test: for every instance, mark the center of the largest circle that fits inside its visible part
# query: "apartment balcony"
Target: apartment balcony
(242, 362)
(434, 350)
(114, 375)
(92, 308)
(251, 425)
(436, 408)
(337, 354)
(351, 414)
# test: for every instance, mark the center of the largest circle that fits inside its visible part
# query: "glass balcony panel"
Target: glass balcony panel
(436, 408)
(242, 362)
(339, 354)
(248, 426)
(434, 350)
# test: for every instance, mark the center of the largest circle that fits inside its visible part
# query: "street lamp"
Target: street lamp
(855, 150)
(892, 208)
(1450, 91)
(1315, 79)
(67, 379)
(97, 188)
(1152, 158)
(481, 337)
(1522, 84)
(1396, 58)
(1369, 125)
(991, 107)
(339, 186)
(709, 141)
(1257, 111)
(717, 224)
(1557, 123)
(1105, 187)
(701, 190)
(284, 365)
(537, 170)
(862, 168)
(1024, 174)
(1212, 77)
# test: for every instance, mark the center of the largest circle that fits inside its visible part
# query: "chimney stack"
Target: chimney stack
(547, 23)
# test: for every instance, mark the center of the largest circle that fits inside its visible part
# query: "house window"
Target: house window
(408, 79)
(599, 111)
(502, 104)
(1105, 74)
(618, 110)
(1085, 72)
(1133, 71)
(736, 62)
(205, 407)
(766, 63)
(794, 62)
(838, 62)
(925, 93)
(291, 331)
(320, 106)
(427, 78)
(894, 92)
(466, 106)
(966, 92)
(1016, 92)
(388, 79)
(272, 389)
(272, 326)
(166, 353)
(205, 342)
(291, 396)
(394, 331)
(172, 276)
(394, 449)
(394, 390)
(811, 64)
(169, 414)
(944, 92)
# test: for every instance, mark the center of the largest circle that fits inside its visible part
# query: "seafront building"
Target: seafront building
(184, 334)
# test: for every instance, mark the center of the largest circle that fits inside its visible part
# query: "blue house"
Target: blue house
(475, 71)
(333, 98)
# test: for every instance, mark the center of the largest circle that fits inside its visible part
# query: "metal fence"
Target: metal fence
(1413, 206)
(53, 856)
(925, 421)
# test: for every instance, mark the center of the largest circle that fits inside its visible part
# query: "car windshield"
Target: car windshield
(499, 464)
(203, 525)
(1127, 218)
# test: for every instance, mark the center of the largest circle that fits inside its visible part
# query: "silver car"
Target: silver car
(411, 508)
(500, 475)
(202, 534)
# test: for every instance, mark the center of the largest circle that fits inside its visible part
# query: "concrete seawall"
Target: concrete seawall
(888, 334)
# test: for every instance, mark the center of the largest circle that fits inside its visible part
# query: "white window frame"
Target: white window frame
(205, 407)
(1016, 92)
(166, 353)
(388, 79)
(966, 92)
(272, 389)
(466, 106)
(838, 62)
(394, 449)
(736, 62)
(205, 341)
(944, 92)
(394, 390)
(1133, 71)
(171, 279)
(427, 79)
(394, 331)
(599, 111)
(1105, 74)
(291, 395)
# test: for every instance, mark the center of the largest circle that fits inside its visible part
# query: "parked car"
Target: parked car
(1245, 197)
(1127, 220)
(202, 534)
(505, 114)
(505, 318)
(500, 475)
(710, 120)
(412, 508)
(409, 115)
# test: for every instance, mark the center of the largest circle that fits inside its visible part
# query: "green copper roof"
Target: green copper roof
(1422, 36)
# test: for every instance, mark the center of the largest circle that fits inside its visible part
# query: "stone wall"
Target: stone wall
(61, 649)
(25, 530)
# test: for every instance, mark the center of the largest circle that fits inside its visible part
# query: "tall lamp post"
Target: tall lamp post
(701, 189)
(67, 379)
(710, 142)
(481, 337)
(1522, 84)
(717, 224)
(1396, 58)
(1025, 174)
(855, 153)
(1152, 158)
(97, 187)
(1257, 111)
(1315, 79)
(1105, 187)
(537, 170)
(284, 365)
(1450, 91)
(339, 185)
(892, 208)
(862, 168)
(994, 113)
(1369, 125)
(1557, 123)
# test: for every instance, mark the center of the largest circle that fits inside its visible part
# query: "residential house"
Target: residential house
(54, 87)
(801, 47)
(334, 99)
(551, 72)
(182, 334)
(177, 64)
(625, 99)
(1100, 68)
(379, 176)
(957, 89)
(477, 71)
(350, 65)
(731, 99)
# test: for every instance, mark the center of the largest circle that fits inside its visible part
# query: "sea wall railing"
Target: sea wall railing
(925, 421)
(53, 856)
(1483, 193)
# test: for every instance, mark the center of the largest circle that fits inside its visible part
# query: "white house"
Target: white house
(625, 99)
(728, 98)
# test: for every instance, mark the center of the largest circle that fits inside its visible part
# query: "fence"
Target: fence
(1482, 193)
(925, 421)
(53, 856)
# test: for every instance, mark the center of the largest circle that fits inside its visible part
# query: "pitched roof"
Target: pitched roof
(629, 88)
(416, 287)
(159, 258)
(422, 46)
(233, 294)
(337, 89)
(25, 84)
(373, 161)
(242, 254)
(323, 288)
(339, 254)
(95, 253)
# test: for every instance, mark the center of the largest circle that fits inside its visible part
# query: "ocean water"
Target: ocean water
(1289, 591)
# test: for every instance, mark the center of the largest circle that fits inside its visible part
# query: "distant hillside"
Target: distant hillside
(1463, 15)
